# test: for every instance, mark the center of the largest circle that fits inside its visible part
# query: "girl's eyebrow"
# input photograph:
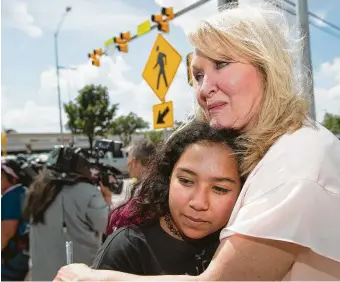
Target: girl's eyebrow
(218, 179)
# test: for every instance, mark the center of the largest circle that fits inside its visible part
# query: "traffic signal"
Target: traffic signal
(168, 12)
(123, 47)
(126, 36)
(118, 40)
(122, 40)
(163, 25)
(95, 59)
(98, 52)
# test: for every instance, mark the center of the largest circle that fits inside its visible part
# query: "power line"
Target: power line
(310, 22)
(179, 13)
(316, 16)
(325, 30)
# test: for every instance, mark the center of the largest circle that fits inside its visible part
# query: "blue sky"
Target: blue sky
(28, 84)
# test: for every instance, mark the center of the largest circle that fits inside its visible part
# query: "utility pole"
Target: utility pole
(306, 60)
(222, 4)
(67, 10)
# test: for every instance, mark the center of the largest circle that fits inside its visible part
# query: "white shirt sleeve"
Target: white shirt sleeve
(299, 211)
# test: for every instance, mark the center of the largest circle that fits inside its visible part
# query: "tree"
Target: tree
(155, 137)
(332, 122)
(125, 126)
(91, 113)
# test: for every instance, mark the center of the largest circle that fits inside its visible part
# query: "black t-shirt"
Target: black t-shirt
(149, 250)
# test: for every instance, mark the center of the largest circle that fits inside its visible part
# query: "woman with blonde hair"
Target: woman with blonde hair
(285, 225)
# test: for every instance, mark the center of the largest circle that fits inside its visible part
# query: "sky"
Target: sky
(29, 101)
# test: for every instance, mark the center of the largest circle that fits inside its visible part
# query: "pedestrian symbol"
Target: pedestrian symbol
(161, 67)
(161, 62)
(163, 115)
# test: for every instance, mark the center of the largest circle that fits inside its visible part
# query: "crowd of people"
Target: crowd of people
(248, 189)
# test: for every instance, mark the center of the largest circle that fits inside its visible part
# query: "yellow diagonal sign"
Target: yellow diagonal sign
(161, 66)
(163, 115)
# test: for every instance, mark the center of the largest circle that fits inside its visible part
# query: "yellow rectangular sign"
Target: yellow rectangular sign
(161, 67)
(108, 42)
(143, 28)
(163, 115)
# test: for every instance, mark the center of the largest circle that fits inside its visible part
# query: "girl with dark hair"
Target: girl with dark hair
(173, 219)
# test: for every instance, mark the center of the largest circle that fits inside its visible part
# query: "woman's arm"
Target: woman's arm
(237, 258)
(8, 229)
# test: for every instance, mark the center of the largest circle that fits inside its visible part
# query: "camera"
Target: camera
(72, 164)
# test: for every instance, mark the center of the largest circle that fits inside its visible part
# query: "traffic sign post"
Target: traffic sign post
(163, 115)
(161, 67)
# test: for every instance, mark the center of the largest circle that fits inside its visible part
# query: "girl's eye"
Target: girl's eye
(220, 190)
(185, 181)
(220, 65)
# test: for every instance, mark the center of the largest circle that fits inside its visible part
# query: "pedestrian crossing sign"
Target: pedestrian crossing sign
(161, 67)
(163, 115)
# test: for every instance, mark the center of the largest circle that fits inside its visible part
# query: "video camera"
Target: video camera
(72, 164)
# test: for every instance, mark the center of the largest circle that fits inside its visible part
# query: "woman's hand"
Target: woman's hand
(77, 272)
(81, 272)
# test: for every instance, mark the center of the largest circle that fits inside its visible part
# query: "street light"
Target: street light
(67, 10)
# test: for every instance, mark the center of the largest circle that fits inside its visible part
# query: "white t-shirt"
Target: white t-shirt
(293, 195)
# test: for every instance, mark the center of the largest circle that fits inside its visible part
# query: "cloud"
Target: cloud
(327, 99)
(42, 114)
(100, 16)
(15, 15)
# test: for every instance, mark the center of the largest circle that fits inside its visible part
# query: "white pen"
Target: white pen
(69, 252)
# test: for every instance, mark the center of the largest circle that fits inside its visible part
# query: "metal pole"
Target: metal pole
(58, 88)
(306, 60)
(222, 4)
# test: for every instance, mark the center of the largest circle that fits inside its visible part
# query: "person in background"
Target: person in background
(138, 157)
(60, 212)
(285, 224)
(183, 200)
(14, 229)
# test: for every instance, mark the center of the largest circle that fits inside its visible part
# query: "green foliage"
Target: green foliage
(155, 137)
(91, 113)
(332, 122)
(125, 126)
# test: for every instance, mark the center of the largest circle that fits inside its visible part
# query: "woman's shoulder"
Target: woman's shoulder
(308, 153)
(312, 154)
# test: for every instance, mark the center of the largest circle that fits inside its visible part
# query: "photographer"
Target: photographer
(61, 210)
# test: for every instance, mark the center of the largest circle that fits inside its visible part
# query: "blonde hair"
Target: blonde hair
(261, 36)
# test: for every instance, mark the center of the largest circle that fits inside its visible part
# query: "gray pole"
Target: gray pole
(67, 10)
(306, 60)
(58, 88)
(222, 4)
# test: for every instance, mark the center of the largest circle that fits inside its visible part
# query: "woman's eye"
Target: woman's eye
(198, 77)
(220, 190)
(185, 181)
(220, 65)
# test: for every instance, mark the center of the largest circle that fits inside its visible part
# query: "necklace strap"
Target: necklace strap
(171, 227)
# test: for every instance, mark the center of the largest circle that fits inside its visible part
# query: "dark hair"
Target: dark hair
(41, 194)
(142, 150)
(9, 177)
(149, 199)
